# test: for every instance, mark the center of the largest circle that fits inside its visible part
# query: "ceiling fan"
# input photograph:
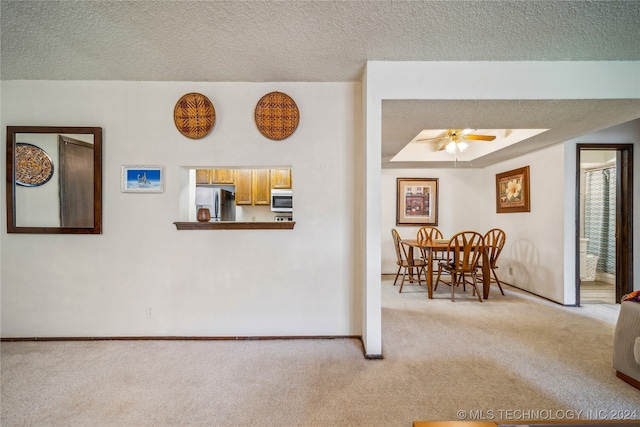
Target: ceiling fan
(455, 139)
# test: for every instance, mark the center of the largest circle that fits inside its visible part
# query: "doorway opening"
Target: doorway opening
(604, 217)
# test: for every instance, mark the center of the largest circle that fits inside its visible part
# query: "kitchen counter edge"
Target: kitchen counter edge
(235, 225)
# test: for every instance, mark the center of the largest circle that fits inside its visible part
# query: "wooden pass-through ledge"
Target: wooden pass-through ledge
(234, 225)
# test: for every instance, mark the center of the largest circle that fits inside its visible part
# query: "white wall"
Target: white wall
(534, 246)
(198, 283)
(459, 204)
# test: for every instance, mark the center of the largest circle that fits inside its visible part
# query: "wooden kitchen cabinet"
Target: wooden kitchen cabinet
(261, 187)
(222, 176)
(243, 187)
(253, 187)
(215, 176)
(281, 178)
(202, 176)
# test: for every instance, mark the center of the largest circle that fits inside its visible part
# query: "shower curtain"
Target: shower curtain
(600, 217)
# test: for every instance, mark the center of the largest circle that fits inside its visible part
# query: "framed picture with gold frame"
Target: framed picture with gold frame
(417, 201)
(513, 191)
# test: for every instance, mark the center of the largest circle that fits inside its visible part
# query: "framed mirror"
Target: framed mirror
(54, 180)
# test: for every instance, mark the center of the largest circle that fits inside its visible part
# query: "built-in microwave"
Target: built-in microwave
(282, 200)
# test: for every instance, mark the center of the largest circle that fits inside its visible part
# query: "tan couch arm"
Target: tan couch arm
(626, 342)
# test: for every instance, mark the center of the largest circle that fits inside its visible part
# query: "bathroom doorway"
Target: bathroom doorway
(604, 223)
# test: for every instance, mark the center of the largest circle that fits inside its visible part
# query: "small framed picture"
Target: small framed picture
(417, 201)
(142, 179)
(512, 191)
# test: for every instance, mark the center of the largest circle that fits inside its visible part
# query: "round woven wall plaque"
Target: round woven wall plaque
(33, 165)
(194, 115)
(277, 115)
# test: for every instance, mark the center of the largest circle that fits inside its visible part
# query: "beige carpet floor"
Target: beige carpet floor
(509, 357)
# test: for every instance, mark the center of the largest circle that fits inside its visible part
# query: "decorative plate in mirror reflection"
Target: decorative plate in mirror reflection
(33, 165)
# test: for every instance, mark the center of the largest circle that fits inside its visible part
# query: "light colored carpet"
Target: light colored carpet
(507, 355)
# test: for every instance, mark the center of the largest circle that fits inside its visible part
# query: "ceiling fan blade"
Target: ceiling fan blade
(431, 139)
(443, 146)
(480, 137)
(441, 136)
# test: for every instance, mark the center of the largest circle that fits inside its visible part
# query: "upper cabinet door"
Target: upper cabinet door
(280, 178)
(202, 176)
(243, 187)
(261, 187)
(253, 187)
(223, 176)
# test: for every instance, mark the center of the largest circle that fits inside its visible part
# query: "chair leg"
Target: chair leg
(497, 281)
(474, 285)
(474, 277)
(437, 278)
(413, 270)
(476, 292)
(411, 280)
(404, 274)
(454, 278)
(397, 275)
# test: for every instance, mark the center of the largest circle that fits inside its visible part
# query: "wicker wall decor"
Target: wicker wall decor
(277, 115)
(33, 165)
(194, 115)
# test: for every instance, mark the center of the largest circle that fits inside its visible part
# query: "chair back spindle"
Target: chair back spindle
(429, 233)
(464, 251)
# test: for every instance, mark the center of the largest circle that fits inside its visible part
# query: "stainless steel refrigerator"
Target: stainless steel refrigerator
(220, 200)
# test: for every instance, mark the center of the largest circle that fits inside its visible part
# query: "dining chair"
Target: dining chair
(464, 252)
(429, 232)
(406, 262)
(494, 242)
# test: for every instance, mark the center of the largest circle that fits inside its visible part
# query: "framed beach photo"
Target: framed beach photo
(142, 179)
(417, 201)
(512, 191)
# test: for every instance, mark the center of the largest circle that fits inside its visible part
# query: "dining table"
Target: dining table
(431, 246)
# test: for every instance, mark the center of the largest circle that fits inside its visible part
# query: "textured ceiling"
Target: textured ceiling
(329, 41)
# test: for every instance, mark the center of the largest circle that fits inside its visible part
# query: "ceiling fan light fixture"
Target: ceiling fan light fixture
(454, 147)
(450, 148)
